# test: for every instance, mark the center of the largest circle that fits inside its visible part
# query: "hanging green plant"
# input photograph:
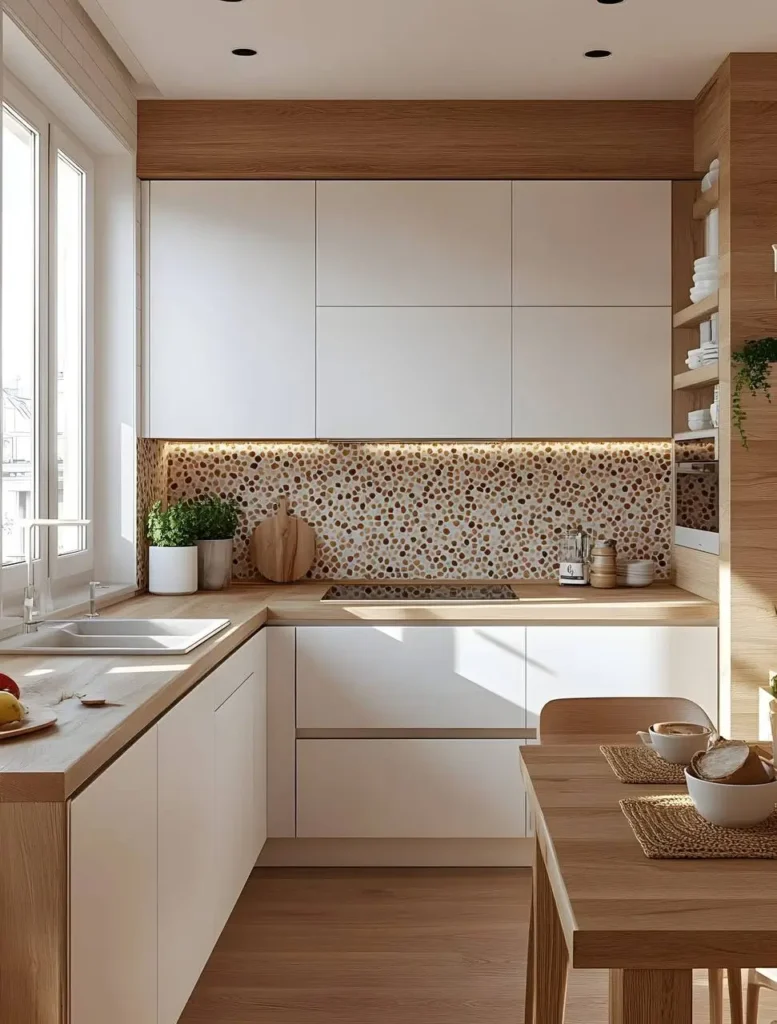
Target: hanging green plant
(754, 374)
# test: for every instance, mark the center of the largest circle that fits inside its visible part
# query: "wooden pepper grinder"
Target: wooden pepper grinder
(603, 565)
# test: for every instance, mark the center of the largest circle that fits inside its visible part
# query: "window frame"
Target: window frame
(54, 138)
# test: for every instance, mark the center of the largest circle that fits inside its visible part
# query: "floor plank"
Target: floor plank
(387, 947)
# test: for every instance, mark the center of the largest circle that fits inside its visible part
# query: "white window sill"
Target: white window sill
(73, 603)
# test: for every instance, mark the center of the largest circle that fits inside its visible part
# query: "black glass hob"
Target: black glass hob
(403, 593)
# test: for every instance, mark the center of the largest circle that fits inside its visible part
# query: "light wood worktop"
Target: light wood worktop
(52, 765)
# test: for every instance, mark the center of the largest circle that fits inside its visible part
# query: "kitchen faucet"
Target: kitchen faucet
(30, 622)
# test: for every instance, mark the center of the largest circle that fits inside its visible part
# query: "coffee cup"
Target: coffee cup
(676, 742)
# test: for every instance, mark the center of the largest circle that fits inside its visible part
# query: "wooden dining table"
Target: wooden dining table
(599, 902)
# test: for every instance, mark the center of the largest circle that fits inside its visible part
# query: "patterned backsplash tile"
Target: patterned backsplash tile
(432, 510)
(151, 485)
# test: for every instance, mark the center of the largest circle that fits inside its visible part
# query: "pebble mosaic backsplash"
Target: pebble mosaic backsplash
(491, 510)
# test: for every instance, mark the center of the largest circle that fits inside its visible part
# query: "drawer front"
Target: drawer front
(414, 677)
(622, 661)
(232, 673)
(403, 789)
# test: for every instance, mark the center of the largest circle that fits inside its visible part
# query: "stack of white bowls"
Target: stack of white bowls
(636, 574)
(705, 278)
(700, 419)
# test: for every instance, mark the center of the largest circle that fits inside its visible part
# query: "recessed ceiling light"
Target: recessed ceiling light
(609, 1)
(598, 53)
(244, 51)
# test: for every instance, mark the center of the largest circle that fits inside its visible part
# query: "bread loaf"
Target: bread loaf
(731, 762)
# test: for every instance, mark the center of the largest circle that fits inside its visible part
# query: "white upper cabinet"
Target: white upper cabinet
(413, 243)
(592, 372)
(591, 243)
(413, 373)
(231, 309)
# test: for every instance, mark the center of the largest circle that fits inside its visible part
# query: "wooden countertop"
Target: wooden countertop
(52, 765)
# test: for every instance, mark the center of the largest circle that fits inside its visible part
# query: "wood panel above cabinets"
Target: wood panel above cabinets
(433, 139)
(413, 243)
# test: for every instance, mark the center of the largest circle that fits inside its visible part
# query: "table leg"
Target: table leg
(652, 996)
(735, 995)
(616, 997)
(528, 1011)
(551, 955)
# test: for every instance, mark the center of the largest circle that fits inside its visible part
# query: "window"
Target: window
(46, 339)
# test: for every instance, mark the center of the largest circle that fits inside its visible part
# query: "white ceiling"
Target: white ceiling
(431, 49)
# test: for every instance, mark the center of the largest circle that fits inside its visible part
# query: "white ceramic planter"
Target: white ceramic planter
(214, 564)
(172, 570)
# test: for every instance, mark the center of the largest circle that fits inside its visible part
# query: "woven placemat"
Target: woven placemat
(670, 828)
(642, 766)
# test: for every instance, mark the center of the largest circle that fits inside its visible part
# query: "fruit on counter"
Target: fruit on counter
(10, 708)
(6, 683)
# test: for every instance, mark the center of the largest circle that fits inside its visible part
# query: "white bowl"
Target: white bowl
(732, 806)
(706, 261)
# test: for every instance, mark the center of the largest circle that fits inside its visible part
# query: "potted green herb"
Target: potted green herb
(217, 520)
(172, 553)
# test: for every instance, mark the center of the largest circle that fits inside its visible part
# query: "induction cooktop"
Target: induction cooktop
(420, 593)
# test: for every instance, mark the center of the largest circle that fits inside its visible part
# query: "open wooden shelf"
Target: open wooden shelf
(707, 201)
(693, 315)
(695, 435)
(700, 378)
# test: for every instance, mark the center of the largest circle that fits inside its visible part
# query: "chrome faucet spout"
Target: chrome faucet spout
(28, 606)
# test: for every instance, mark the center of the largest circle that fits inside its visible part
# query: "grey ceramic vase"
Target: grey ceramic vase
(214, 564)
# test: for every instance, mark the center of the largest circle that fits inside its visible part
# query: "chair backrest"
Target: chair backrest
(594, 718)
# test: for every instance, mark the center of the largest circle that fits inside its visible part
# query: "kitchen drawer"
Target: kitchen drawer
(402, 789)
(411, 677)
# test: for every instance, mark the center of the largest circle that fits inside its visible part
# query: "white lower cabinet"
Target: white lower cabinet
(161, 845)
(187, 847)
(409, 789)
(621, 661)
(234, 820)
(113, 892)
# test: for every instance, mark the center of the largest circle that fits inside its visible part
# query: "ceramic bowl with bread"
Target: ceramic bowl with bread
(731, 785)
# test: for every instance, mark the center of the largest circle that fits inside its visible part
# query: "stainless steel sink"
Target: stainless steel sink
(115, 636)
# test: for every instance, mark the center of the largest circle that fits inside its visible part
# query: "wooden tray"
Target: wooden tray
(37, 719)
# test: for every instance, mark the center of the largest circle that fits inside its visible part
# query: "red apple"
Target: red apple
(6, 683)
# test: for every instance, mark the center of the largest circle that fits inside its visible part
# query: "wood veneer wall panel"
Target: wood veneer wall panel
(414, 139)
(33, 913)
(737, 121)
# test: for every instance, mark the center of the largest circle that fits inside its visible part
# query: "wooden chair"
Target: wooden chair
(597, 720)
(763, 977)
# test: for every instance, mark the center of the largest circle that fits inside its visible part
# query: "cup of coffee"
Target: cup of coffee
(676, 742)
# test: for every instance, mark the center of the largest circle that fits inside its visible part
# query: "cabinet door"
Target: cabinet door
(621, 661)
(259, 695)
(231, 289)
(418, 677)
(413, 373)
(235, 817)
(592, 373)
(592, 243)
(188, 867)
(409, 789)
(413, 243)
(113, 892)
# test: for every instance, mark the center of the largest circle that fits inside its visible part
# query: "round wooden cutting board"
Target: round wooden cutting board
(283, 547)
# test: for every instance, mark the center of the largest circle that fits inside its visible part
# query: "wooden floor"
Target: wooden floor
(386, 947)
